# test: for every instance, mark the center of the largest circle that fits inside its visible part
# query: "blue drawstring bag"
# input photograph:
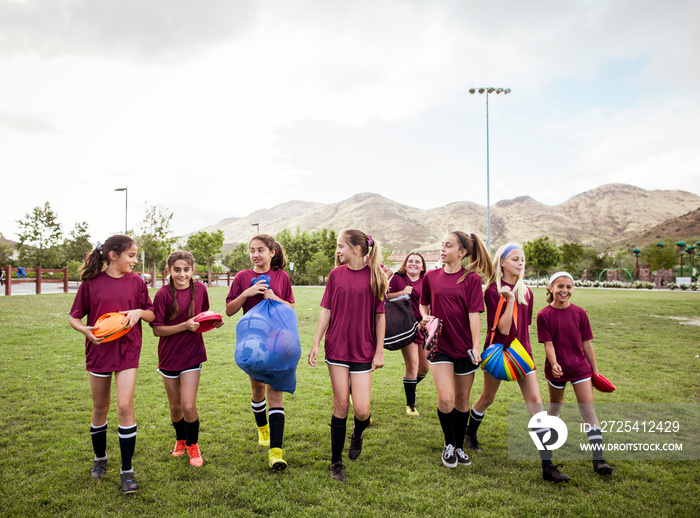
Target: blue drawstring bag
(268, 346)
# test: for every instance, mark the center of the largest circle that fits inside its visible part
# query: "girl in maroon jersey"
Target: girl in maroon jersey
(180, 350)
(114, 289)
(506, 282)
(408, 280)
(352, 319)
(566, 332)
(266, 280)
(454, 295)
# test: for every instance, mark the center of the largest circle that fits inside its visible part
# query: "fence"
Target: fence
(38, 271)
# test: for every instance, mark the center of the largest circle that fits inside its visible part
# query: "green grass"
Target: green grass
(45, 449)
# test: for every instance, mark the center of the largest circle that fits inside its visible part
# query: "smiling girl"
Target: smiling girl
(352, 319)
(453, 294)
(408, 280)
(114, 289)
(180, 350)
(266, 280)
(565, 330)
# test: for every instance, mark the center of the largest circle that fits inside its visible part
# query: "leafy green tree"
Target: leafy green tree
(5, 253)
(660, 257)
(238, 259)
(39, 237)
(327, 241)
(205, 246)
(155, 237)
(299, 248)
(320, 266)
(77, 244)
(571, 254)
(541, 254)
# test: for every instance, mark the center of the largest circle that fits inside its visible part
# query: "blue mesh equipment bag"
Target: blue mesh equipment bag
(268, 346)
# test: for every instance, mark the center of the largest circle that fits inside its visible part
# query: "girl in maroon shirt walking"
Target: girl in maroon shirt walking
(352, 319)
(565, 330)
(266, 280)
(114, 289)
(454, 295)
(180, 350)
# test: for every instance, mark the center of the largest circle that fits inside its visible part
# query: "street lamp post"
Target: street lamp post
(126, 206)
(487, 91)
(257, 226)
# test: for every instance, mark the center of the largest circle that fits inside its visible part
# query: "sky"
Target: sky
(216, 108)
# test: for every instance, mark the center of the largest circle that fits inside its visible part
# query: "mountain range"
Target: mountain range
(604, 216)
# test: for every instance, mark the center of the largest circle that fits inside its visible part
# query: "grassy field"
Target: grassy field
(46, 451)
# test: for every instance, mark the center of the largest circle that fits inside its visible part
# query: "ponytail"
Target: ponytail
(94, 263)
(369, 248)
(479, 257)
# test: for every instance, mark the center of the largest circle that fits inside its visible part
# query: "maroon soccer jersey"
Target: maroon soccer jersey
(567, 329)
(491, 298)
(184, 349)
(399, 282)
(351, 336)
(452, 302)
(105, 294)
(279, 284)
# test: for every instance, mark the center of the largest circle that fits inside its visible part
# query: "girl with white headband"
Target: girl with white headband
(506, 282)
(565, 330)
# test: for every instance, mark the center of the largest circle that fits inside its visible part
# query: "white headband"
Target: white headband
(560, 274)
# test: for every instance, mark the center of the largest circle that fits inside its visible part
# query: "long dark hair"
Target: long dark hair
(479, 258)
(278, 260)
(95, 262)
(175, 307)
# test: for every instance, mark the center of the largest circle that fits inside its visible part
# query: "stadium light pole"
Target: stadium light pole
(487, 91)
(126, 206)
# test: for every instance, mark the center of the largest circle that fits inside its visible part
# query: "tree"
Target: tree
(78, 244)
(39, 237)
(571, 254)
(541, 254)
(205, 246)
(155, 239)
(298, 248)
(320, 266)
(660, 257)
(238, 259)
(5, 253)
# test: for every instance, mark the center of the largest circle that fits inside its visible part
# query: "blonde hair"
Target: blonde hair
(355, 238)
(479, 258)
(519, 289)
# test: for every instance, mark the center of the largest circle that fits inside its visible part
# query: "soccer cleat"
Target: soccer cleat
(179, 448)
(99, 468)
(411, 410)
(195, 455)
(552, 473)
(129, 484)
(336, 470)
(449, 457)
(355, 445)
(602, 468)
(462, 458)
(277, 463)
(264, 435)
(471, 443)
